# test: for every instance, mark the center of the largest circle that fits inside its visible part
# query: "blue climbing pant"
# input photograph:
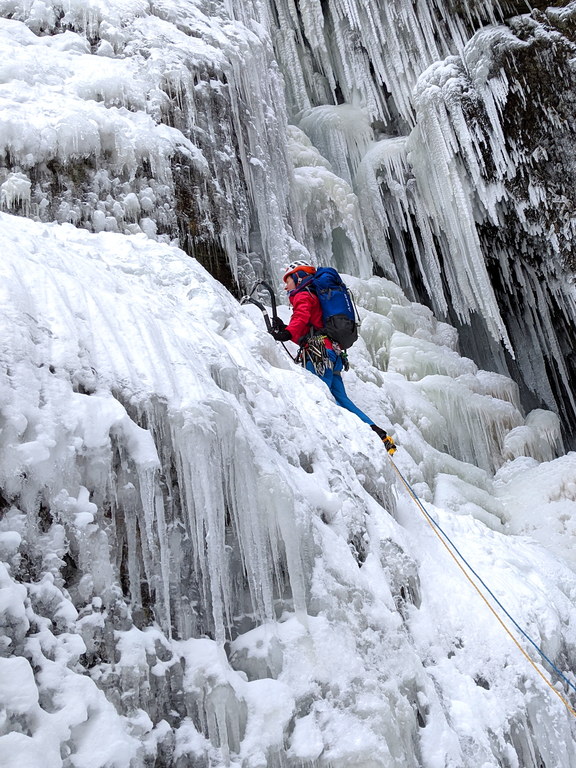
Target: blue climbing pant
(333, 379)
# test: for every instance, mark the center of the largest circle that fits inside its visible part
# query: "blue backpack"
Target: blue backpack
(338, 310)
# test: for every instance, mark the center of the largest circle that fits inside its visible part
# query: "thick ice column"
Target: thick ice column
(330, 217)
(239, 535)
(436, 147)
(368, 53)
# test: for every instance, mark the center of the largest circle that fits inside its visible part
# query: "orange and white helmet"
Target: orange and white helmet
(295, 268)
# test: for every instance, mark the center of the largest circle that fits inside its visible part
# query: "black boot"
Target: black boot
(385, 437)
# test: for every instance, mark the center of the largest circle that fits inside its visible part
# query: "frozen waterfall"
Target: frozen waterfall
(437, 136)
(204, 562)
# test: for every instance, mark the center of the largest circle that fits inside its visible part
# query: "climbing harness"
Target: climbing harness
(461, 561)
(313, 348)
(314, 351)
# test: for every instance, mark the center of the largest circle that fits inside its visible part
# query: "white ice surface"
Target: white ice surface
(154, 437)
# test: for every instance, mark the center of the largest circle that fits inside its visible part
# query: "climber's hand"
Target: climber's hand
(281, 334)
(278, 324)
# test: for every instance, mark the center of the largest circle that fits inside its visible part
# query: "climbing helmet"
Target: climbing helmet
(298, 269)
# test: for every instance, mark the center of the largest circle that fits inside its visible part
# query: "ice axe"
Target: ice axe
(270, 324)
(249, 299)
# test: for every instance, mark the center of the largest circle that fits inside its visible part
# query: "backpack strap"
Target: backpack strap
(304, 285)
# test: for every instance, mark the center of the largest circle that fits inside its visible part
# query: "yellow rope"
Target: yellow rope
(418, 503)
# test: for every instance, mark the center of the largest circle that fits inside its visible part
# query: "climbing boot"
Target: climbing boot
(389, 443)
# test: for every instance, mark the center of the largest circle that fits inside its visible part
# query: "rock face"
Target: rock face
(511, 126)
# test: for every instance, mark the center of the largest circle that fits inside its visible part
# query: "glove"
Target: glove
(389, 443)
(278, 324)
(281, 335)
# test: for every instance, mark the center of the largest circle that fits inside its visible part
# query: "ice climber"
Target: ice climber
(321, 355)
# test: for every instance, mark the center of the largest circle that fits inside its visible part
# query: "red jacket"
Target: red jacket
(306, 314)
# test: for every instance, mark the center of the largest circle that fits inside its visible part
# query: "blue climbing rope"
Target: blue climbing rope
(437, 527)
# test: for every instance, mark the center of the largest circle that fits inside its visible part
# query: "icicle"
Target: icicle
(15, 192)
(331, 219)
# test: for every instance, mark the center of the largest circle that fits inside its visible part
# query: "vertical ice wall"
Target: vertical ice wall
(452, 131)
(139, 502)
(502, 112)
(369, 55)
